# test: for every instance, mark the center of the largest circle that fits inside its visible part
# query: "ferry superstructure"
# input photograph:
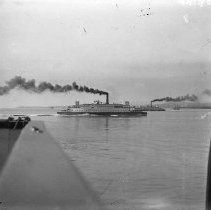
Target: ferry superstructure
(99, 108)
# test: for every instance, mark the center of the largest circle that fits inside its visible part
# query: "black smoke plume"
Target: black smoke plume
(22, 83)
(193, 98)
(206, 92)
(178, 99)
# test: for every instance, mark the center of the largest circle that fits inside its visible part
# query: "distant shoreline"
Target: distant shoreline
(34, 107)
(60, 107)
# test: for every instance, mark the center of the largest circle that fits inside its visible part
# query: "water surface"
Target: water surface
(153, 162)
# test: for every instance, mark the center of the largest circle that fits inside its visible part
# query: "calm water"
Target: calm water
(153, 162)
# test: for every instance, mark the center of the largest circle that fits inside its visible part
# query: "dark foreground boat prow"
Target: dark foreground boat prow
(38, 175)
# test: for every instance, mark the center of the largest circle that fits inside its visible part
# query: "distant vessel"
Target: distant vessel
(177, 107)
(106, 109)
(153, 108)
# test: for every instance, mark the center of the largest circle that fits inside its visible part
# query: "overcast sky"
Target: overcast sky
(111, 45)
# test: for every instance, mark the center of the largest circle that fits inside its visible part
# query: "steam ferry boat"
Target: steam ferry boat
(99, 108)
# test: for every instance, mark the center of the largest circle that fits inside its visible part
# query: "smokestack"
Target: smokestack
(107, 98)
(151, 103)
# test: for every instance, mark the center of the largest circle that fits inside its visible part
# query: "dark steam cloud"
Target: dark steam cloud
(187, 97)
(22, 83)
(178, 99)
(206, 92)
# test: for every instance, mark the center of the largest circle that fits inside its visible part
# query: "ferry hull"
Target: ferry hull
(141, 113)
(70, 113)
(120, 113)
